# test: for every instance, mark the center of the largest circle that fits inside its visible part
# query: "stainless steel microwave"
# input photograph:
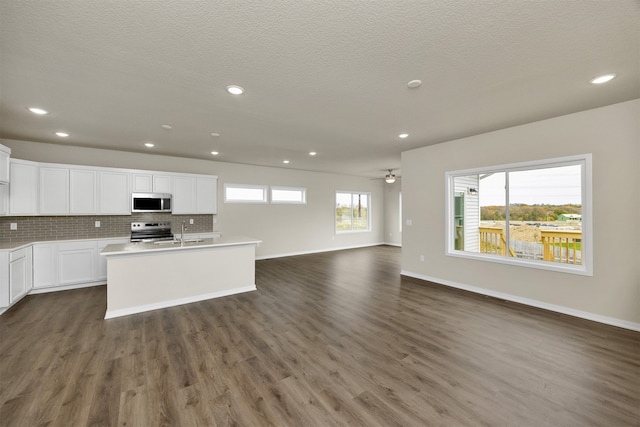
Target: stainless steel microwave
(150, 202)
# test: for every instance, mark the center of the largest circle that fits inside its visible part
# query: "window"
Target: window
(289, 195)
(542, 209)
(352, 211)
(241, 193)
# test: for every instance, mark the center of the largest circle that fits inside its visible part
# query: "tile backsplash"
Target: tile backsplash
(42, 228)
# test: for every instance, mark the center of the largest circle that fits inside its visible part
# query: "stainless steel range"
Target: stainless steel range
(150, 231)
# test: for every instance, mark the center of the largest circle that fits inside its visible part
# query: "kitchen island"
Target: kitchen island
(149, 276)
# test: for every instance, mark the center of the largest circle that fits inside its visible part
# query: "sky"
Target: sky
(550, 186)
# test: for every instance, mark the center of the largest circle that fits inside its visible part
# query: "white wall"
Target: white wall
(392, 234)
(284, 229)
(612, 135)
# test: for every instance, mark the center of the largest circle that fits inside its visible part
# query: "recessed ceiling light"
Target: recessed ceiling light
(602, 79)
(235, 90)
(149, 144)
(166, 127)
(414, 83)
(215, 134)
(62, 134)
(403, 135)
(286, 162)
(215, 153)
(312, 153)
(36, 110)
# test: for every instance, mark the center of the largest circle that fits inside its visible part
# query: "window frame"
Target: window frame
(585, 160)
(303, 192)
(264, 188)
(335, 223)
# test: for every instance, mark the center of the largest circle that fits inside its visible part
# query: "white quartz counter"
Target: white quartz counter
(189, 243)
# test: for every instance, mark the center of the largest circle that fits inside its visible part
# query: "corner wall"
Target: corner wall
(392, 233)
(612, 135)
(284, 229)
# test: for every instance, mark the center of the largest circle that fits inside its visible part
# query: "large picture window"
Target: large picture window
(534, 214)
(353, 211)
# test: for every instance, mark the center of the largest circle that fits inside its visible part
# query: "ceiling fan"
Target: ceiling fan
(390, 178)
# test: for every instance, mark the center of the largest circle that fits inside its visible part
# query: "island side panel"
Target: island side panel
(146, 281)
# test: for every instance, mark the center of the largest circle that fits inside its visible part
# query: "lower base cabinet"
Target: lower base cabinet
(15, 275)
(69, 263)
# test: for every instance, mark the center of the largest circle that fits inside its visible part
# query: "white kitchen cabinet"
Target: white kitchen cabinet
(77, 262)
(54, 190)
(15, 276)
(184, 195)
(20, 273)
(206, 195)
(45, 265)
(193, 194)
(151, 183)
(4, 199)
(5, 154)
(83, 192)
(114, 195)
(65, 264)
(142, 183)
(23, 189)
(162, 184)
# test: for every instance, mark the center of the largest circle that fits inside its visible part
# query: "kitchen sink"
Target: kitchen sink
(177, 242)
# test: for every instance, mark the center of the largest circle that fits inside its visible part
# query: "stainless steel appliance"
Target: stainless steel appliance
(150, 202)
(151, 231)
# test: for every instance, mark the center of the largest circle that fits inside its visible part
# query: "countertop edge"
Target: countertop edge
(129, 249)
(12, 246)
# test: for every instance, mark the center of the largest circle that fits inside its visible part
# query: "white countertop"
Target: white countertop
(145, 247)
(10, 246)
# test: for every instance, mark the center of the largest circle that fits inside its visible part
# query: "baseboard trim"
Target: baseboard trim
(110, 314)
(316, 251)
(398, 245)
(66, 287)
(530, 302)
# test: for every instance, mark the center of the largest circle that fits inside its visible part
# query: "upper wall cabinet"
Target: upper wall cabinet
(4, 199)
(54, 190)
(83, 192)
(23, 190)
(114, 195)
(151, 183)
(206, 195)
(5, 154)
(195, 194)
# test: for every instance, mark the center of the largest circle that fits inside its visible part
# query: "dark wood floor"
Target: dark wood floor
(338, 338)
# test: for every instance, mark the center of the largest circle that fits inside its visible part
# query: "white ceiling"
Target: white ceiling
(324, 75)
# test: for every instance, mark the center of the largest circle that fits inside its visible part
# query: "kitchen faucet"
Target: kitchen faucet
(184, 228)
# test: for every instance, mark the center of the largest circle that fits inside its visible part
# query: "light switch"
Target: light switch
(409, 222)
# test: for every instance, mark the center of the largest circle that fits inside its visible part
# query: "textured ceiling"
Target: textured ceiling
(327, 76)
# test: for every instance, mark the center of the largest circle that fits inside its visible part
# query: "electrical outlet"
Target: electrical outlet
(409, 222)
(97, 224)
(421, 258)
(191, 221)
(14, 225)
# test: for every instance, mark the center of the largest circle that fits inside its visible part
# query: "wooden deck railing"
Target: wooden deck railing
(562, 246)
(493, 241)
(558, 245)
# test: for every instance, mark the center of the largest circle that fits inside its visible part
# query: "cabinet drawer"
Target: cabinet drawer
(17, 254)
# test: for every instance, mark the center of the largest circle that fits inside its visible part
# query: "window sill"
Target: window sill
(540, 265)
